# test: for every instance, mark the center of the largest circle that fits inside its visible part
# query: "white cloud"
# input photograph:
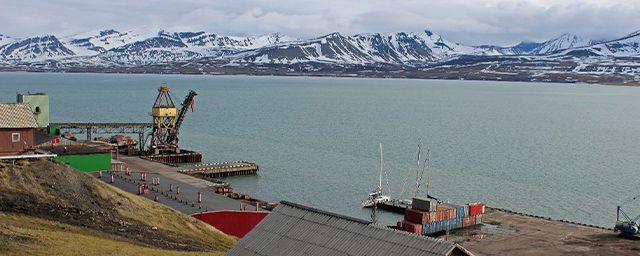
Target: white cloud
(471, 22)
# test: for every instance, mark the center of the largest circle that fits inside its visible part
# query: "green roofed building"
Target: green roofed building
(83, 158)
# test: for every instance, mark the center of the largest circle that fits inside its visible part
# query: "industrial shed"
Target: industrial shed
(293, 229)
(17, 126)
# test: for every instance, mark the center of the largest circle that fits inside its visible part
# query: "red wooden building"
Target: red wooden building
(17, 127)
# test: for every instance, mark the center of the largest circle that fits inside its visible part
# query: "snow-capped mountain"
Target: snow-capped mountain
(525, 48)
(35, 49)
(147, 46)
(394, 48)
(562, 42)
(626, 46)
(141, 47)
(96, 42)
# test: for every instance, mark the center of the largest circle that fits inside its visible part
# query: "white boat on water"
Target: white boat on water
(376, 196)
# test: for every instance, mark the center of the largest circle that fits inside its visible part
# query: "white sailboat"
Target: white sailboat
(376, 196)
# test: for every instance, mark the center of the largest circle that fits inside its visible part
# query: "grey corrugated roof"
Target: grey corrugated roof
(293, 229)
(17, 115)
(43, 139)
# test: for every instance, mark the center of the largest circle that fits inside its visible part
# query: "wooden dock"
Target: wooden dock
(224, 169)
(184, 157)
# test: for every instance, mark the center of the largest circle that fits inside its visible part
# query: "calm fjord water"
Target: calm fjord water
(566, 151)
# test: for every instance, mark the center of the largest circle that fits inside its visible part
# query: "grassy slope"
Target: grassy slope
(70, 198)
(23, 235)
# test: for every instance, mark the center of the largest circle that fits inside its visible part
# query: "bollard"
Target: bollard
(100, 174)
(206, 209)
(170, 187)
(241, 207)
(139, 190)
(193, 204)
(142, 176)
(199, 197)
(257, 205)
(177, 190)
(156, 198)
(111, 178)
(158, 181)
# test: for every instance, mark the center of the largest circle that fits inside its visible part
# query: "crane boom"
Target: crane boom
(188, 100)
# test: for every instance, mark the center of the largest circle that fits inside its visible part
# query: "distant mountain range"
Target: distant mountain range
(111, 47)
(143, 48)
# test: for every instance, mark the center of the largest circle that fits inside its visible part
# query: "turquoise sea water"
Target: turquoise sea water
(567, 151)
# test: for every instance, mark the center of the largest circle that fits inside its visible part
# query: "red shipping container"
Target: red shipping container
(411, 227)
(416, 216)
(477, 208)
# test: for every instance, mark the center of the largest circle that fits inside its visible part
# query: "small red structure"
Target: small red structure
(235, 223)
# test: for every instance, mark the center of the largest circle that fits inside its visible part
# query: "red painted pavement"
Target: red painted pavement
(235, 223)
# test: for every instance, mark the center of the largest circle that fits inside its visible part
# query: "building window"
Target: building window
(15, 137)
(37, 110)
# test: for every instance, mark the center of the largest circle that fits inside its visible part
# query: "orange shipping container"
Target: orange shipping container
(467, 221)
(449, 212)
(411, 227)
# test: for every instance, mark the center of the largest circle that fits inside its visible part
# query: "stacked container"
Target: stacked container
(433, 217)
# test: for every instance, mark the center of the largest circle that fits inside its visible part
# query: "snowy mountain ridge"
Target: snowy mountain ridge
(148, 46)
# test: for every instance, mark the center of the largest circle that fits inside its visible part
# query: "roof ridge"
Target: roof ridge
(332, 214)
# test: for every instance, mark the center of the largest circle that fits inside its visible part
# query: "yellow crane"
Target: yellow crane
(167, 120)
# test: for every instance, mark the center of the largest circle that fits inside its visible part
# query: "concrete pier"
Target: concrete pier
(186, 201)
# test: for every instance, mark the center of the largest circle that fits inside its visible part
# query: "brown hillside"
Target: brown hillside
(56, 192)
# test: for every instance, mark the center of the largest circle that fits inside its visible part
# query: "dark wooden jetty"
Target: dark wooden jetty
(224, 169)
(185, 156)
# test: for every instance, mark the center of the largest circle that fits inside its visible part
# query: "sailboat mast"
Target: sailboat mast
(428, 167)
(380, 184)
(418, 167)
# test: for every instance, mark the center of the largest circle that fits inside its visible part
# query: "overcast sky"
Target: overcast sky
(471, 22)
